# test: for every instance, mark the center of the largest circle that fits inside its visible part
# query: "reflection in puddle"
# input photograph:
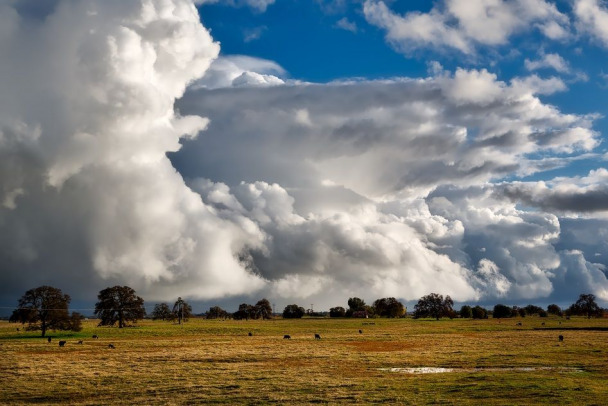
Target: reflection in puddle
(434, 370)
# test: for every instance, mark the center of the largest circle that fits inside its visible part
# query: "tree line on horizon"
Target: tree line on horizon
(46, 308)
(436, 306)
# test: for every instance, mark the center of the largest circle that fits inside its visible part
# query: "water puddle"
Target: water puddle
(434, 370)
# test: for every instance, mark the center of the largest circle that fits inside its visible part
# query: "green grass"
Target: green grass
(217, 362)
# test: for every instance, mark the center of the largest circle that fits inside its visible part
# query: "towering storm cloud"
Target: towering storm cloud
(86, 119)
(247, 183)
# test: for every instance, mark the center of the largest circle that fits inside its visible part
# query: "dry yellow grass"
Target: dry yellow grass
(217, 362)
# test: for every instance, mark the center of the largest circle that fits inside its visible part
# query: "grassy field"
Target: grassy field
(490, 362)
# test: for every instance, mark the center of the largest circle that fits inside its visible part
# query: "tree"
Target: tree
(355, 304)
(293, 311)
(434, 305)
(216, 312)
(46, 308)
(555, 309)
(182, 311)
(263, 309)
(466, 312)
(246, 311)
(531, 310)
(479, 312)
(501, 311)
(337, 312)
(388, 307)
(119, 304)
(586, 306)
(162, 312)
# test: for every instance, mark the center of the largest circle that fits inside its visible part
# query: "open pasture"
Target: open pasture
(214, 361)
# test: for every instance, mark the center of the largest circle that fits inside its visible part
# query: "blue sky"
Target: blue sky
(308, 41)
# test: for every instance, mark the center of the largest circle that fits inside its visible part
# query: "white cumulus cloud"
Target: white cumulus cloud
(464, 25)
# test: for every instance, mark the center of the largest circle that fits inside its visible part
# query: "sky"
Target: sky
(304, 151)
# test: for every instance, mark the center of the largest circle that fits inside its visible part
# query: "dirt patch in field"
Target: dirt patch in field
(381, 346)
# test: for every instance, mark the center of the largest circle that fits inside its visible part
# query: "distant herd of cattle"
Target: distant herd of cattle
(63, 342)
(250, 334)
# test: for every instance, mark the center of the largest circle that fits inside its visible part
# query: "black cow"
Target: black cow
(561, 338)
(250, 334)
(61, 343)
(317, 337)
(286, 337)
(48, 339)
(95, 336)
(111, 346)
(80, 342)
(360, 331)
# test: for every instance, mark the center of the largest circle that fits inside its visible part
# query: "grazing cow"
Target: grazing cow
(561, 338)
(61, 343)
(360, 331)
(95, 336)
(518, 324)
(286, 337)
(250, 334)
(48, 339)
(543, 323)
(317, 337)
(18, 329)
(111, 346)
(80, 342)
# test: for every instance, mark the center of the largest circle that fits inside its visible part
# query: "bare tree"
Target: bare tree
(182, 311)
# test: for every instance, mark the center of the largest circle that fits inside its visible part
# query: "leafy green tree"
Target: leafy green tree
(216, 312)
(355, 304)
(586, 306)
(245, 312)
(119, 304)
(46, 308)
(532, 310)
(263, 309)
(501, 311)
(162, 312)
(479, 312)
(388, 307)
(434, 305)
(466, 312)
(337, 312)
(293, 311)
(555, 310)
(182, 311)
